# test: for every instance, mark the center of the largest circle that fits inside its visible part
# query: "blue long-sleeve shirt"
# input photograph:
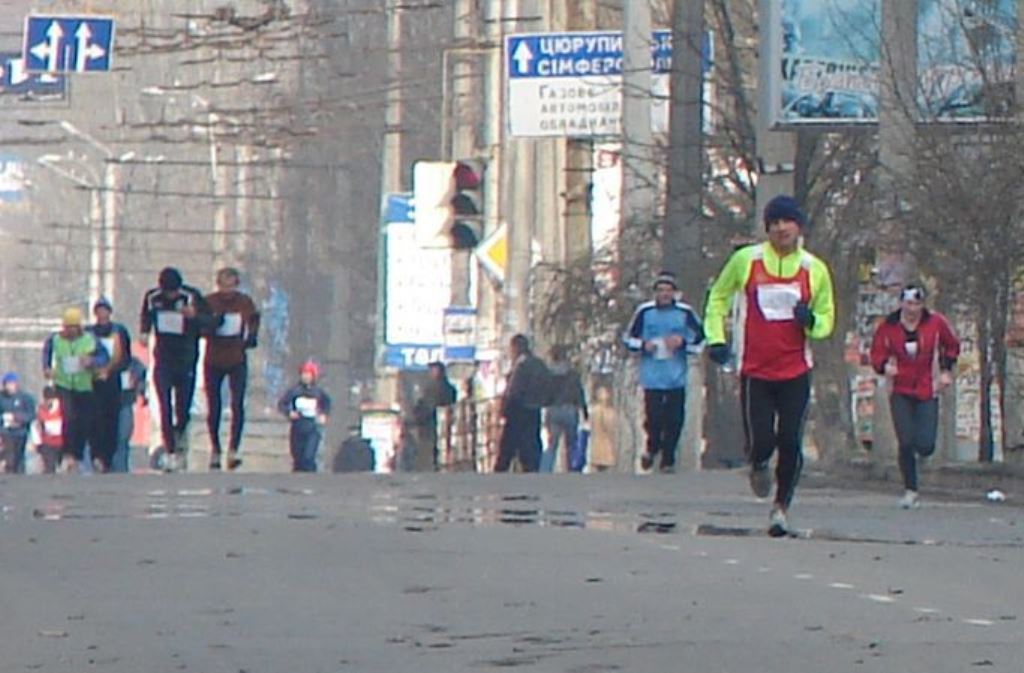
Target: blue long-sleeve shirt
(663, 369)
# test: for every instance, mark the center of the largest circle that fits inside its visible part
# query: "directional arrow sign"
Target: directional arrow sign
(522, 56)
(68, 43)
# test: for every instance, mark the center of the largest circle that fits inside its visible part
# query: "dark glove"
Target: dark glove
(719, 353)
(251, 342)
(802, 314)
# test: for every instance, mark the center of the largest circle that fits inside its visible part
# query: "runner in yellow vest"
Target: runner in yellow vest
(69, 360)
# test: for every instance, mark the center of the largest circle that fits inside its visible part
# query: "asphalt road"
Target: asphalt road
(557, 573)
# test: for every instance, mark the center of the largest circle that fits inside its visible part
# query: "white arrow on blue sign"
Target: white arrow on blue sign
(68, 43)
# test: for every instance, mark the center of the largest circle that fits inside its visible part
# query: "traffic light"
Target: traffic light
(446, 198)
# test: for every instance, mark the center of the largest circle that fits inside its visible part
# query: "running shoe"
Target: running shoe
(910, 500)
(646, 461)
(777, 525)
(760, 479)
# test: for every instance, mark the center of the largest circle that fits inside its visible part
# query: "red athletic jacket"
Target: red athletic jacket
(936, 348)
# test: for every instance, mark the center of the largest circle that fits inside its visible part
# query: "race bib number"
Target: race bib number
(170, 322)
(306, 406)
(776, 300)
(53, 428)
(232, 325)
(71, 364)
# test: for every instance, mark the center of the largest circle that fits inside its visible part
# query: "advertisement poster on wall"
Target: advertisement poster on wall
(966, 59)
(829, 54)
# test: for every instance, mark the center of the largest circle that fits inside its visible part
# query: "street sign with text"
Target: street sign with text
(570, 84)
(68, 43)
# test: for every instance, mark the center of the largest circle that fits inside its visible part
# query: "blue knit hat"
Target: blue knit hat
(10, 377)
(784, 208)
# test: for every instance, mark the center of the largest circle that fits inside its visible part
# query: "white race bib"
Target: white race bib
(911, 348)
(108, 345)
(126, 380)
(306, 406)
(71, 364)
(776, 300)
(232, 325)
(661, 349)
(170, 322)
(53, 427)
(9, 420)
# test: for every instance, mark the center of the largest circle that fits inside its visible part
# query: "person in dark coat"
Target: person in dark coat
(525, 396)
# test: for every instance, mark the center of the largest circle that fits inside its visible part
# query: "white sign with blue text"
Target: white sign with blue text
(417, 291)
(570, 84)
(68, 43)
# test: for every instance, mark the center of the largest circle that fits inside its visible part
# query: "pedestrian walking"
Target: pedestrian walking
(567, 401)
(69, 360)
(237, 329)
(115, 341)
(133, 387)
(785, 299)
(178, 315)
(437, 393)
(308, 407)
(18, 409)
(48, 430)
(525, 396)
(602, 424)
(663, 330)
(909, 346)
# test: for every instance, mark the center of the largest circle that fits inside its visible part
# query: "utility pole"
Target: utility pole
(489, 321)
(776, 150)
(897, 91)
(391, 180)
(683, 235)
(578, 157)
(519, 202)
(639, 178)
(464, 110)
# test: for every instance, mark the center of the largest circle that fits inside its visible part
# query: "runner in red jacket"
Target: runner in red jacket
(916, 350)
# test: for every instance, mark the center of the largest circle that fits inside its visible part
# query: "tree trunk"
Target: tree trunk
(985, 443)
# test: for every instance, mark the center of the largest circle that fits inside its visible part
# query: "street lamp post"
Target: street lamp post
(52, 163)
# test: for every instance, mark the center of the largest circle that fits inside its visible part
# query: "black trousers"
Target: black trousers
(916, 422)
(664, 411)
(13, 451)
(107, 410)
(520, 438)
(175, 388)
(774, 413)
(237, 377)
(79, 416)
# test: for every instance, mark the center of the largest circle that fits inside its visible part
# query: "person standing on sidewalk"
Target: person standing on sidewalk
(69, 359)
(178, 314)
(116, 342)
(909, 346)
(237, 327)
(307, 406)
(785, 300)
(525, 395)
(566, 401)
(18, 409)
(663, 331)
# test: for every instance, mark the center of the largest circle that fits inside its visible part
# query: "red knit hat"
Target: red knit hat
(310, 366)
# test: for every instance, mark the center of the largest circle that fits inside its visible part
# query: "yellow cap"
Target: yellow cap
(72, 317)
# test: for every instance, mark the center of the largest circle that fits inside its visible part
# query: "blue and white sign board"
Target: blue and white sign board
(13, 179)
(15, 80)
(417, 291)
(68, 43)
(460, 334)
(570, 84)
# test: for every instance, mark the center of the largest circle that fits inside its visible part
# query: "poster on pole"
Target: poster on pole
(828, 53)
(966, 59)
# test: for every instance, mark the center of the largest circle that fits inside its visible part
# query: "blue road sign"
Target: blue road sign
(584, 54)
(68, 43)
(16, 81)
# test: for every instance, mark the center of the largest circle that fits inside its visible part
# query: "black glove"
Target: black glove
(719, 353)
(251, 342)
(802, 314)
